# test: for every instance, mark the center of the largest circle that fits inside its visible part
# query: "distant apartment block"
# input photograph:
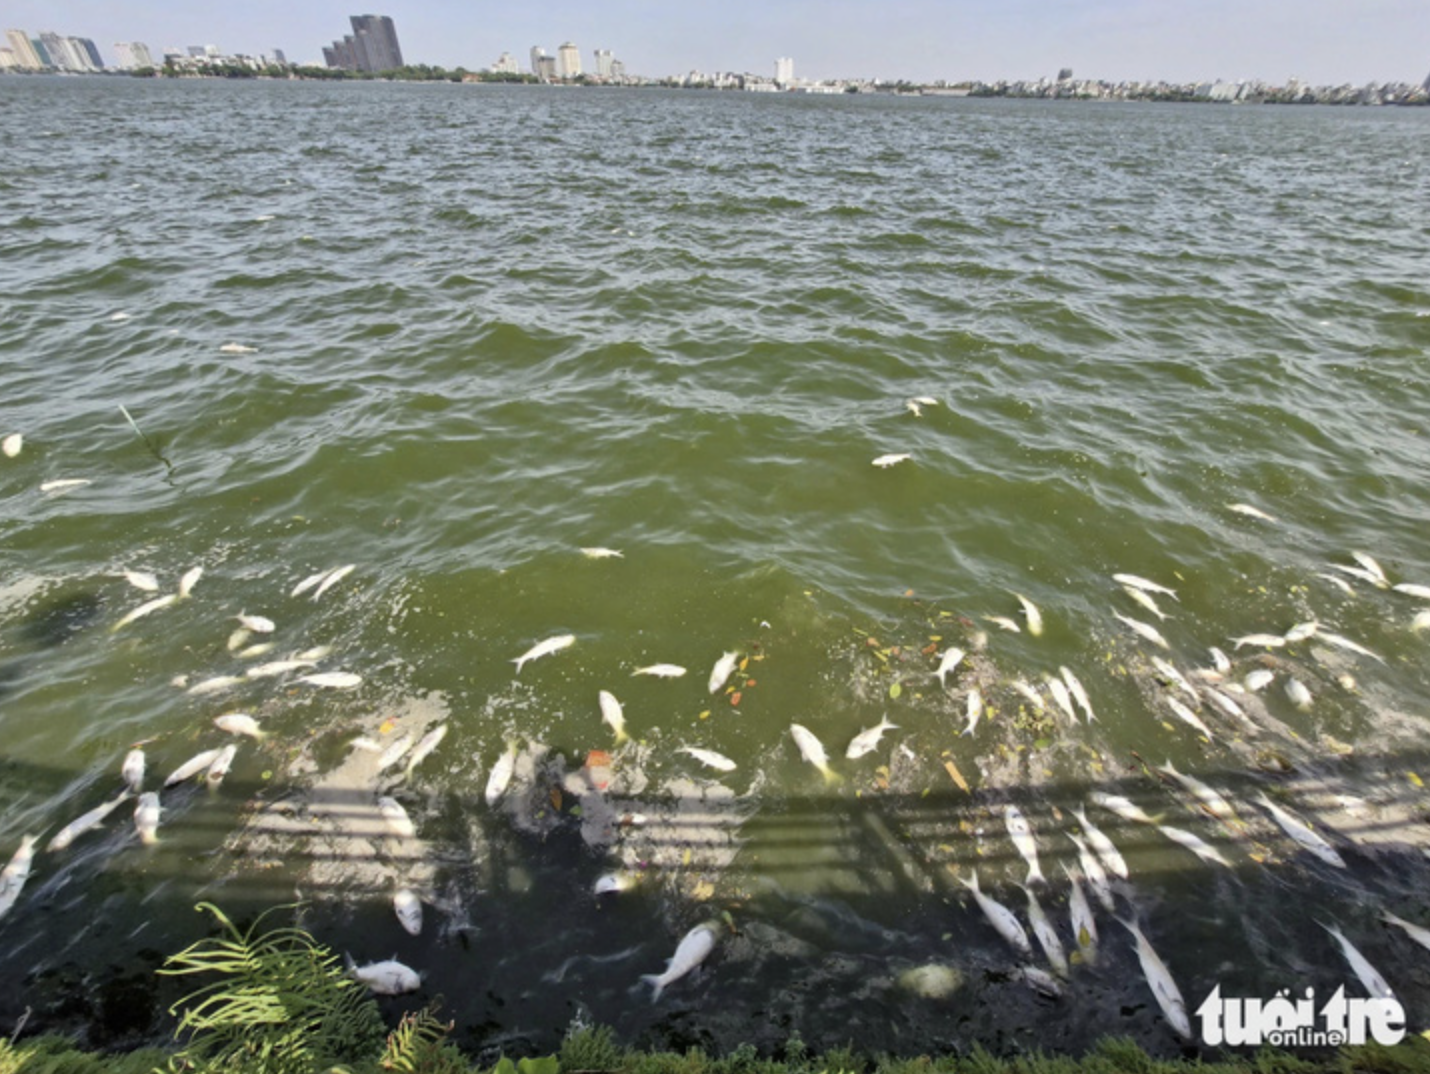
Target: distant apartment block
(784, 71)
(26, 58)
(568, 61)
(604, 61)
(506, 65)
(132, 55)
(371, 47)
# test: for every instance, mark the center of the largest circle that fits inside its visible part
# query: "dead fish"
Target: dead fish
(1096, 877)
(257, 623)
(408, 906)
(660, 671)
(1136, 582)
(277, 667)
(393, 752)
(337, 680)
(974, 708)
(1144, 630)
(1021, 833)
(1031, 615)
(1369, 563)
(1301, 631)
(1250, 511)
(1258, 679)
(142, 580)
(192, 767)
(1369, 976)
(188, 581)
(612, 883)
(500, 776)
(14, 875)
(1418, 933)
(1124, 808)
(999, 916)
(1358, 572)
(613, 714)
(1084, 922)
(1339, 583)
(601, 553)
(1350, 646)
(309, 582)
(545, 648)
(1269, 641)
(132, 771)
(1029, 693)
(240, 723)
(868, 740)
(255, 651)
(1061, 695)
(1079, 694)
(949, 660)
(216, 685)
(1299, 695)
(1421, 591)
(83, 823)
(1169, 671)
(692, 950)
(220, 765)
(1188, 717)
(723, 669)
(429, 742)
(885, 461)
(1003, 623)
(709, 757)
(332, 578)
(396, 817)
(238, 639)
(146, 817)
(143, 610)
(812, 750)
(64, 484)
(1104, 847)
(1220, 660)
(1145, 599)
(1194, 843)
(237, 348)
(1047, 935)
(1215, 804)
(1164, 989)
(1301, 833)
(386, 978)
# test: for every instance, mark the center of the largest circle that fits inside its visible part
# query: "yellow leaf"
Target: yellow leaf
(956, 776)
(702, 891)
(1415, 779)
(744, 663)
(705, 715)
(387, 726)
(685, 858)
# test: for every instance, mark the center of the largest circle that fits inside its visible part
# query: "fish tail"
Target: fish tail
(621, 736)
(654, 979)
(1035, 875)
(830, 776)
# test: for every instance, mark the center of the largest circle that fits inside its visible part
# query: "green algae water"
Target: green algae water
(454, 335)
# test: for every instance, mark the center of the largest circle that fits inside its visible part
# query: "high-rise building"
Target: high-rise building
(784, 71)
(133, 55)
(568, 61)
(26, 58)
(603, 62)
(506, 65)
(43, 53)
(372, 46)
(91, 51)
(64, 52)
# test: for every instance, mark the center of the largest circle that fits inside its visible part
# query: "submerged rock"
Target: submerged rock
(931, 981)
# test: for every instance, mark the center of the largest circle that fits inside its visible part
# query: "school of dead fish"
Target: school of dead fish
(1096, 853)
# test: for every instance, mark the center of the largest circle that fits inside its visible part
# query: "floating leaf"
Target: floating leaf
(895, 689)
(1415, 779)
(705, 715)
(385, 728)
(744, 663)
(575, 811)
(685, 858)
(957, 776)
(556, 798)
(702, 891)
(735, 698)
(1043, 743)
(749, 683)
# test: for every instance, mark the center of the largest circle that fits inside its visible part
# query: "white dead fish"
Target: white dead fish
(143, 610)
(1228, 706)
(309, 582)
(64, 484)
(1194, 843)
(999, 916)
(1410, 588)
(14, 875)
(1040, 980)
(660, 671)
(723, 669)
(1136, 582)
(1030, 694)
(1214, 803)
(1220, 660)
(1269, 641)
(1115, 803)
(240, 723)
(1188, 717)
(366, 744)
(612, 713)
(386, 978)
(868, 739)
(396, 817)
(1144, 630)
(408, 906)
(1145, 599)
(692, 950)
(1084, 923)
(612, 883)
(1047, 935)
(146, 817)
(1369, 976)
(1003, 623)
(885, 461)
(337, 680)
(545, 648)
(142, 580)
(332, 578)
(259, 624)
(709, 757)
(1104, 847)
(12, 445)
(1169, 671)
(1250, 511)
(83, 823)
(216, 685)
(188, 581)
(238, 639)
(1021, 832)
(500, 776)
(973, 706)
(812, 750)
(1358, 572)
(1061, 696)
(255, 651)
(393, 752)
(915, 408)
(1168, 996)
(277, 667)
(1075, 688)
(1096, 876)
(1418, 933)
(1299, 695)
(1369, 563)
(947, 661)
(220, 765)
(425, 745)
(132, 771)
(192, 767)
(1302, 833)
(1301, 631)
(1349, 646)
(601, 553)
(316, 653)
(925, 400)
(1340, 583)
(1031, 615)
(1258, 679)
(237, 348)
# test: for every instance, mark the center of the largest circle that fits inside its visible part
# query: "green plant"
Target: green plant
(282, 1004)
(590, 1048)
(419, 1046)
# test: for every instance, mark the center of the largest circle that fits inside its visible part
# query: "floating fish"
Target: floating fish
(309, 582)
(1031, 615)
(1004, 623)
(83, 823)
(387, 978)
(1228, 706)
(500, 775)
(1220, 660)
(812, 750)
(925, 400)
(1104, 847)
(132, 770)
(611, 713)
(255, 651)
(661, 671)
(1339, 583)
(238, 638)
(1079, 694)
(1301, 631)
(1302, 833)
(142, 580)
(1369, 976)
(1096, 876)
(240, 723)
(215, 685)
(1369, 563)
(429, 742)
(999, 916)
(188, 581)
(408, 906)
(1420, 591)
(1215, 804)
(316, 653)
(1418, 933)
(396, 817)
(1040, 980)
(1299, 695)
(1047, 935)
(868, 740)
(393, 752)
(723, 669)
(1258, 679)
(1188, 717)
(1115, 803)
(1061, 695)
(1168, 996)
(885, 461)
(220, 765)
(545, 648)
(1145, 599)
(612, 883)
(947, 661)
(692, 950)
(1021, 832)
(1029, 693)
(1348, 645)
(257, 623)
(1135, 582)
(64, 484)
(12, 445)
(337, 680)
(192, 767)
(1269, 641)
(1249, 511)
(146, 817)
(1144, 630)
(277, 667)
(14, 875)
(973, 706)
(237, 348)
(1358, 572)
(143, 610)
(1084, 923)
(601, 553)
(1194, 843)
(709, 757)
(332, 578)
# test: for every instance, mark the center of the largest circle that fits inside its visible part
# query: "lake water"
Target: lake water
(453, 335)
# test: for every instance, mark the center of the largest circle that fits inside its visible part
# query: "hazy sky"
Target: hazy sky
(1323, 42)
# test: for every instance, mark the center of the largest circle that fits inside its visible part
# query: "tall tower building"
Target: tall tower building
(26, 58)
(537, 55)
(784, 71)
(603, 62)
(568, 61)
(132, 55)
(377, 42)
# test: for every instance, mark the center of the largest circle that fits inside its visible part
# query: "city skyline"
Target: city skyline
(915, 40)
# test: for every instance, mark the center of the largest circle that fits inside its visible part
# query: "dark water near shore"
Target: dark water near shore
(473, 330)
